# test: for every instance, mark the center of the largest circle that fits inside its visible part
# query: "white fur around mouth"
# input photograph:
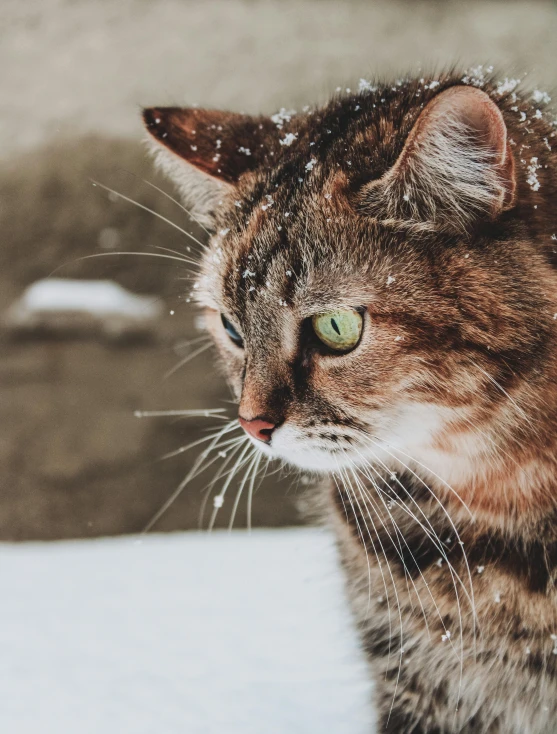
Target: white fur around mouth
(289, 446)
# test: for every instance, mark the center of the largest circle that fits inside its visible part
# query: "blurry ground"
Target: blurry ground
(73, 459)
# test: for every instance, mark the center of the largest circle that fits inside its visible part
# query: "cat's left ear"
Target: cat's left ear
(456, 166)
(206, 152)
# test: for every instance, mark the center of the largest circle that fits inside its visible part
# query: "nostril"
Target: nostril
(258, 428)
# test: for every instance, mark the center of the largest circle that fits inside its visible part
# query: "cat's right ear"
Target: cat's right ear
(456, 166)
(206, 152)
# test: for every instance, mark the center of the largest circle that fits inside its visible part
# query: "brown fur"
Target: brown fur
(431, 203)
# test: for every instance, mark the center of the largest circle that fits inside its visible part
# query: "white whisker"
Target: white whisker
(380, 443)
(470, 594)
(189, 342)
(201, 412)
(187, 359)
(189, 476)
(197, 442)
(117, 254)
(181, 255)
(349, 494)
(433, 537)
(252, 467)
(238, 464)
(393, 583)
(502, 389)
(182, 207)
(428, 488)
(147, 209)
(230, 453)
(397, 531)
(250, 492)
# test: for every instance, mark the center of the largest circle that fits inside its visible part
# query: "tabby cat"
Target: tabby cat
(381, 282)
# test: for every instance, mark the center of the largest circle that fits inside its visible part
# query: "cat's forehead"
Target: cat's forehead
(269, 264)
(302, 260)
(300, 227)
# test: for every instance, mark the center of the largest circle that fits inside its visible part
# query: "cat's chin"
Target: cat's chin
(314, 459)
(302, 454)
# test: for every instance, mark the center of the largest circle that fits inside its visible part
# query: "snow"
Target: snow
(532, 179)
(476, 75)
(288, 139)
(200, 633)
(539, 96)
(507, 86)
(96, 297)
(282, 116)
(365, 86)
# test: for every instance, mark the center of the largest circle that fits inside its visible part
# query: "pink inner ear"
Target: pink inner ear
(486, 118)
(477, 112)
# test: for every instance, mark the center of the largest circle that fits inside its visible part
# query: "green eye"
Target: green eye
(339, 330)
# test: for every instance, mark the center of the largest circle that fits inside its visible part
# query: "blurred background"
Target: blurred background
(74, 459)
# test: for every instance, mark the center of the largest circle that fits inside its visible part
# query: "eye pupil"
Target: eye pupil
(335, 326)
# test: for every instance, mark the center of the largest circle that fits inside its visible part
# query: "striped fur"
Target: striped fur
(430, 204)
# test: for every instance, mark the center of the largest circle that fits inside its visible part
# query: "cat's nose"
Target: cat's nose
(258, 428)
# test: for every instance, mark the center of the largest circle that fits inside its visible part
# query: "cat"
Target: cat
(381, 283)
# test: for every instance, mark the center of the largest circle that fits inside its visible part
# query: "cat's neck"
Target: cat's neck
(412, 520)
(498, 467)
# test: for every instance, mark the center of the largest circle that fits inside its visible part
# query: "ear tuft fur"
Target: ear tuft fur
(207, 151)
(199, 192)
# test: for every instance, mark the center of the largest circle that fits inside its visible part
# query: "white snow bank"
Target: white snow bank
(60, 303)
(182, 634)
(98, 297)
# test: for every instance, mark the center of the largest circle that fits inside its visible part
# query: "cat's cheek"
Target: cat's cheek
(231, 357)
(233, 369)
(229, 352)
(212, 322)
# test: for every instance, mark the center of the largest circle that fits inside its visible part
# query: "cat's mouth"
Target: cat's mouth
(383, 440)
(323, 454)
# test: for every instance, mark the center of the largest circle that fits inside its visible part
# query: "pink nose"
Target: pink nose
(258, 428)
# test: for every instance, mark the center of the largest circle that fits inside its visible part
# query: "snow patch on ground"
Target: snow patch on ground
(96, 297)
(64, 305)
(199, 633)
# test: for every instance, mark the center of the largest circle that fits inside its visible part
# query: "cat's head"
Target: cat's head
(378, 276)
